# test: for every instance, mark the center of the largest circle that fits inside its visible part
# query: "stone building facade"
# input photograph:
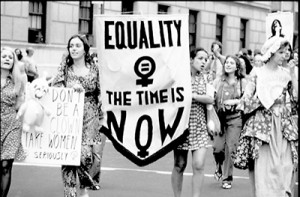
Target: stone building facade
(47, 26)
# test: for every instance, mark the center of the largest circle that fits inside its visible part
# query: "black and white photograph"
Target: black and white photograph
(149, 99)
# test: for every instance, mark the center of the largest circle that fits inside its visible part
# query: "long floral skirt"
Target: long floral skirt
(273, 174)
(88, 172)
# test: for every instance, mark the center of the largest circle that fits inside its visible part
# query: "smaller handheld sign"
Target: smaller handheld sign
(58, 138)
(145, 83)
(280, 24)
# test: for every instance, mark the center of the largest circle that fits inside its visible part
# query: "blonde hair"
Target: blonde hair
(16, 72)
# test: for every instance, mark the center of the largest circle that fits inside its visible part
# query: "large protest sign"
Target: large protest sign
(58, 139)
(145, 83)
(280, 24)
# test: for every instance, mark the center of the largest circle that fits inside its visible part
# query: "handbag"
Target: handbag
(241, 156)
(212, 120)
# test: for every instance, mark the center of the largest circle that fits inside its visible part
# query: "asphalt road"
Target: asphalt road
(122, 178)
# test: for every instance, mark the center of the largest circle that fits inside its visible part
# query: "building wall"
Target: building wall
(62, 22)
(206, 27)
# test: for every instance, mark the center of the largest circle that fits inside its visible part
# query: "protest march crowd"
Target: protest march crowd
(250, 97)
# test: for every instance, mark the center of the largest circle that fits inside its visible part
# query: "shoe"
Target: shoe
(226, 185)
(218, 175)
(95, 187)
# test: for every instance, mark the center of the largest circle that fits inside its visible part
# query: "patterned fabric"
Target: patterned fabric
(11, 147)
(91, 136)
(244, 152)
(92, 106)
(198, 135)
(258, 127)
(69, 173)
(226, 91)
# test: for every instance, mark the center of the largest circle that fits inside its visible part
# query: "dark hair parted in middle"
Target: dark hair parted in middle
(194, 52)
(87, 57)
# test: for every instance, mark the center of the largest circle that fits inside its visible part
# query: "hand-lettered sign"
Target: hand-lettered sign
(58, 138)
(145, 83)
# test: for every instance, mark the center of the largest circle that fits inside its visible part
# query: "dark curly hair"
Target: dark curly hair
(247, 62)
(194, 52)
(88, 59)
(237, 73)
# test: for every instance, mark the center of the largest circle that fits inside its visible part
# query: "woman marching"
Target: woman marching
(197, 140)
(268, 143)
(79, 72)
(12, 96)
(229, 90)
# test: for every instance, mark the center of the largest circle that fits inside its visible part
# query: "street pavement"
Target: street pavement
(122, 178)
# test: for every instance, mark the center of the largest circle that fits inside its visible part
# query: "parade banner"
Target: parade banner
(145, 83)
(52, 127)
(280, 24)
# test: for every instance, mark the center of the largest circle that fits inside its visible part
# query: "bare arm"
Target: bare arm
(21, 96)
(220, 57)
(204, 99)
(292, 66)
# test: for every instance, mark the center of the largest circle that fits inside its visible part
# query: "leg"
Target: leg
(69, 176)
(198, 161)
(96, 165)
(180, 162)
(86, 164)
(103, 141)
(6, 167)
(219, 154)
(232, 133)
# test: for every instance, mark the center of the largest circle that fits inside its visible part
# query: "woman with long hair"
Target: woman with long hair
(276, 29)
(79, 72)
(12, 96)
(229, 90)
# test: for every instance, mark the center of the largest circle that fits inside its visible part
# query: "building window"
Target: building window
(219, 28)
(127, 7)
(162, 9)
(37, 22)
(243, 33)
(295, 39)
(85, 17)
(192, 28)
(102, 8)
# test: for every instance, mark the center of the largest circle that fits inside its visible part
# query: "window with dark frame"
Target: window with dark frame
(296, 26)
(192, 29)
(243, 33)
(86, 17)
(127, 7)
(37, 21)
(219, 27)
(162, 9)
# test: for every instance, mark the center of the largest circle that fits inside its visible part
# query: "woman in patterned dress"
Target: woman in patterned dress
(197, 140)
(12, 96)
(270, 134)
(79, 72)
